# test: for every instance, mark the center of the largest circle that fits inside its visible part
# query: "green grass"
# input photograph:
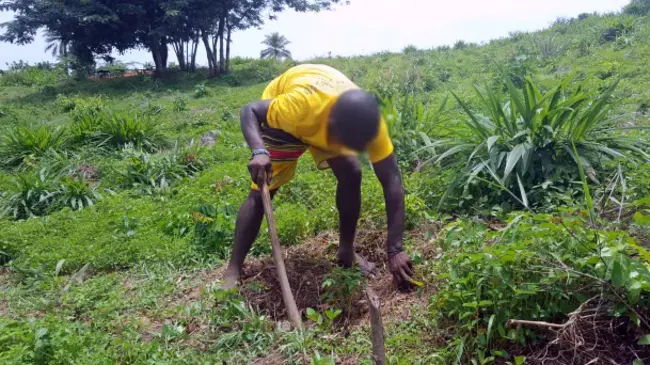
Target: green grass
(92, 284)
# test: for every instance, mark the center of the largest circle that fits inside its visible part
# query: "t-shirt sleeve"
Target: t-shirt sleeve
(380, 147)
(288, 110)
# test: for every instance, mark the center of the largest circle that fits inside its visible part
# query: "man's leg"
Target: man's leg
(347, 170)
(249, 221)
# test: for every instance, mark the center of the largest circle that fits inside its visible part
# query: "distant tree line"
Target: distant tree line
(94, 28)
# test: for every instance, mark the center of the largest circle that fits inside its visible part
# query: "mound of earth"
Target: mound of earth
(309, 263)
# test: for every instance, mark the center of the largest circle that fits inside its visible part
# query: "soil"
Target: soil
(308, 264)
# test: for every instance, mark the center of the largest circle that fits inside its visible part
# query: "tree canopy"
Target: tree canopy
(98, 27)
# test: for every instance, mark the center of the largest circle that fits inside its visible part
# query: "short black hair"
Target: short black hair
(354, 119)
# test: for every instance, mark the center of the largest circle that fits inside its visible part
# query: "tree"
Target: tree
(276, 47)
(638, 7)
(56, 45)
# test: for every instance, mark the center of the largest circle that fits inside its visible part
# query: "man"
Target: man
(316, 107)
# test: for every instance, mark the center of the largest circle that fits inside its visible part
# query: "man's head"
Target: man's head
(354, 119)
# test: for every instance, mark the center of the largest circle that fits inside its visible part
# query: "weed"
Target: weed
(179, 103)
(121, 129)
(201, 91)
(21, 142)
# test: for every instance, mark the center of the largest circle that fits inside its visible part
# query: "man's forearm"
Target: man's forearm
(394, 197)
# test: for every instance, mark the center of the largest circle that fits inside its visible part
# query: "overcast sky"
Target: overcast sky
(368, 26)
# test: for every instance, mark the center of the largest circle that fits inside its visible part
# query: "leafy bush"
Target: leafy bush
(141, 130)
(410, 49)
(201, 90)
(80, 107)
(548, 47)
(179, 103)
(637, 7)
(154, 174)
(525, 143)
(20, 142)
(22, 74)
(32, 194)
(77, 193)
(407, 119)
(541, 267)
(214, 229)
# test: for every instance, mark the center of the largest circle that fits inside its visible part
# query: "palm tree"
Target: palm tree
(276, 47)
(56, 44)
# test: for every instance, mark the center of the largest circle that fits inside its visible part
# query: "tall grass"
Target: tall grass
(20, 142)
(141, 130)
(523, 140)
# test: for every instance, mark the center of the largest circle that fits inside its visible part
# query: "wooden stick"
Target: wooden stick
(287, 295)
(377, 328)
(514, 322)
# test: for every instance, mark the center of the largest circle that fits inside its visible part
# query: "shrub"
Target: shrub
(548, 47)
(541, 268)
(32, 194)
(20, 142)
(525, 142)
(76, 193)
(141, 130)
(179, 103)
(22, 74)
(637, 7)
(410, 49)
(407, 119)
(460, 45)
(154, 174)
(201, 90)
(214, 229)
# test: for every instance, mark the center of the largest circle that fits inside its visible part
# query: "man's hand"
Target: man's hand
(401, 267)
(260, 169)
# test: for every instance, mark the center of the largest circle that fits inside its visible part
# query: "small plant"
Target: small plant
(21, 142)
(140, 130)
(410, 49)
(32, 194)
(548, 47)
(214, 229)
(201, 90)
(77, 193)
(179, 104)
(342, 287)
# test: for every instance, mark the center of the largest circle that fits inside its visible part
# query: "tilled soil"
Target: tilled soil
(308, 264)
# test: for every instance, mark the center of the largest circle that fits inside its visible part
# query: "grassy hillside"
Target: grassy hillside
(119, 212)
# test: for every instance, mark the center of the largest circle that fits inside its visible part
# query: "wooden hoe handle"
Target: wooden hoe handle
(287, 295)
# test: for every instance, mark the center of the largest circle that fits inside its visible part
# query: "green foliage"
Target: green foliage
(155, 174)
(22, 74)
(214, 229)
(32, 194)
(540, 267)
(18, 143)
(523, 144)
(121, 129)
(342, 287)
(548, 46)
(201, 90)
(179, 103)
(637, 7)
(77, 193)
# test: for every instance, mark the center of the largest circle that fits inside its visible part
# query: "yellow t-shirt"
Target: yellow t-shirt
(302, 100)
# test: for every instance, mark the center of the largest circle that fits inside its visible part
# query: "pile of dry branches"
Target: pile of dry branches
(590, 336)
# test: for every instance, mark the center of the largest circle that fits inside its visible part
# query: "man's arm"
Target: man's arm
(252, 116)
(389, 176)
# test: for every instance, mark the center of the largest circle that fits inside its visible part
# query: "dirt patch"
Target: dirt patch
(308, 265)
